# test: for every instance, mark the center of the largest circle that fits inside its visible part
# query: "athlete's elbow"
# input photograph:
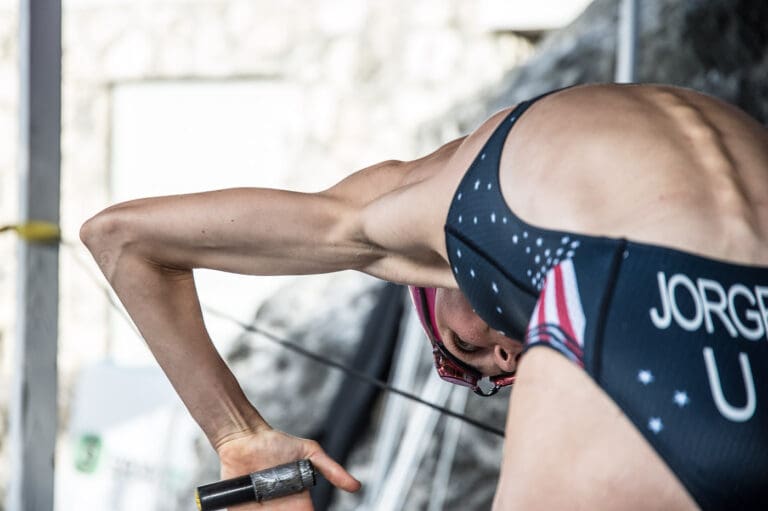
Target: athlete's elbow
(106, 235)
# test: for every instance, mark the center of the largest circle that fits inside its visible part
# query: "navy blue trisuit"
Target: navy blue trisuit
(678, 341)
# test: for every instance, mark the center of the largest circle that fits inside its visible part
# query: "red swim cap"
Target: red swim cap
(424, 301)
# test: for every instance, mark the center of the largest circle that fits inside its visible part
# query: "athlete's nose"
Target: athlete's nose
(504, 359)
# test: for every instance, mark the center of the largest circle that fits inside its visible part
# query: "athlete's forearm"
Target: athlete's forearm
(164, 305)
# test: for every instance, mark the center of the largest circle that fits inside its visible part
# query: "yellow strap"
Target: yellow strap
(36, 231)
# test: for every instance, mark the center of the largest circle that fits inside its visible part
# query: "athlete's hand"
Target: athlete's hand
(269, 447)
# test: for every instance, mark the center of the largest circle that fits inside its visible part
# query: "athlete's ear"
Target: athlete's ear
(504, 359)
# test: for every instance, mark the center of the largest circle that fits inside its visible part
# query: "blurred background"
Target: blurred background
(173, 96)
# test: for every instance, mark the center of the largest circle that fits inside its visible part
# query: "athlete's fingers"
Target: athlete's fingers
(335, 473)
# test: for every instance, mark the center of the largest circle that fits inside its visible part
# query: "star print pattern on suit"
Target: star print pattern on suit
(679, 398)
(644, 376)
(542, 254)
(480, 217)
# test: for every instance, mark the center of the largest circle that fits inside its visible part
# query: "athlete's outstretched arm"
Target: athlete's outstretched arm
(148, 248)
(386, 220)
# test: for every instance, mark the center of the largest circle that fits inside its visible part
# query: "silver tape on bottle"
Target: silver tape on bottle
(283, 480)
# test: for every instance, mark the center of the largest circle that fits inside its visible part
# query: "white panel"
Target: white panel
(178, 137)
(190, 136)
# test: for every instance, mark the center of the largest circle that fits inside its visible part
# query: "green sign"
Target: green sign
(87, 453)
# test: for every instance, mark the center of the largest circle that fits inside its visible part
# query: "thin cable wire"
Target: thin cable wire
(290, 345)
(107, 293)
(350, 370)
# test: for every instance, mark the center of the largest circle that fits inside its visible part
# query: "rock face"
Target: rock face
(716, 46)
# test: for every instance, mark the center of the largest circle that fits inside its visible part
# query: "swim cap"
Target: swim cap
(424, 301)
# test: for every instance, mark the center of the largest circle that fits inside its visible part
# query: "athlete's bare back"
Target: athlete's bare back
(659, 164)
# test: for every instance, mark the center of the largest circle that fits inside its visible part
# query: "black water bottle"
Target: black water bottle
(259, 486)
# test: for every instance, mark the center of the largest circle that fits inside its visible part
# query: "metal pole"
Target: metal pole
(33, 408)
(626, 50)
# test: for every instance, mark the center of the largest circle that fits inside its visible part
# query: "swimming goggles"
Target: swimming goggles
(448, 366)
